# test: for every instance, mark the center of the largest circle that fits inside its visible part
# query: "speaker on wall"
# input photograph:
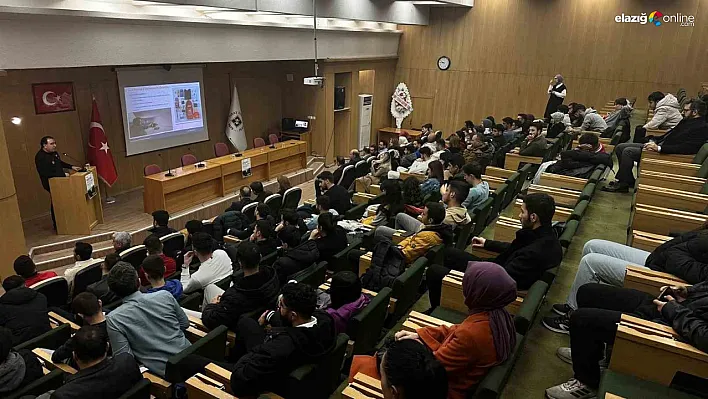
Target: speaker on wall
(339, 96)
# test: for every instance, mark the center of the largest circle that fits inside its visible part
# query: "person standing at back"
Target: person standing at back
(556, 95)
(215, 264)
(50, 165)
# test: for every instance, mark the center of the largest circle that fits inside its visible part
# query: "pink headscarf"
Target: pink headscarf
(489, 288)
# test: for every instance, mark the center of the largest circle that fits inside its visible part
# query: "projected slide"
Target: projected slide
(159, 110)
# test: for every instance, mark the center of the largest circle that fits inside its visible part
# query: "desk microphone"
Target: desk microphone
(169, 170)
(83, 168)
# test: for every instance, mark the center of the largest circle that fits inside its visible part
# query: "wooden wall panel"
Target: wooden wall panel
(504, 52)
(12, 237)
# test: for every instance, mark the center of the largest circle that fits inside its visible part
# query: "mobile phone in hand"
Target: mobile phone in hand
(666, 291)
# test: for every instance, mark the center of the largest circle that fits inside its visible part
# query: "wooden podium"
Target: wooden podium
(75, 211)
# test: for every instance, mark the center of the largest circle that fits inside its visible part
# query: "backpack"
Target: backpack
(387, 263)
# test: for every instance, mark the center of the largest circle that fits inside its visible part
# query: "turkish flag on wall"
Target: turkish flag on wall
(99, 154)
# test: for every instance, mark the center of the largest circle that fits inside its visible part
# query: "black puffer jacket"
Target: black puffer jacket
(247, 294)
(24, 311)
(686, 257)
(296, 259)
(229, 220)
(578, 163)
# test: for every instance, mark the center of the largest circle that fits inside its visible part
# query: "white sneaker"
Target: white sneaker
(564, 354)
(573, 389)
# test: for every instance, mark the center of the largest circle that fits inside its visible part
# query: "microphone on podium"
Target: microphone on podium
(169, 170)
(80, 164)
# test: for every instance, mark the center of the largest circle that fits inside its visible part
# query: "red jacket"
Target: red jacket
(170, 268)
(40, 276)
(465, 350)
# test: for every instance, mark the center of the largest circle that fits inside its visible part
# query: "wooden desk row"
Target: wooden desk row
(193, 185)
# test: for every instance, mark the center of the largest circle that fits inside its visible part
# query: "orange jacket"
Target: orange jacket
(465, 350)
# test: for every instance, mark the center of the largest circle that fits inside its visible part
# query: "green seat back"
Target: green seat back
(550, 275)
(313, 275)
(529, 308)
(356, 212)
(316, 380)
(211, 346)
(449, 315)
(365, 327)
(224, 283)
(405, 288)
(570, 229)
(462, 234)
(482, 216)
(46, 383)
(141, 390)
(703, 170)
(595, 176)
(493, 383)
(499, 195)
(512, 182)
(632, 387)
(339, 261)
(701, 155)
(51, 339)
(579, 210)
(588, 192)
(192, 301)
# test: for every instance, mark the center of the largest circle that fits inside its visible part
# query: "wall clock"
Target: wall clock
(443, 63)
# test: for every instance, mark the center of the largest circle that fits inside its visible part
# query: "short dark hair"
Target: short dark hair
(508, 120)
(111, 260)
(474, 169)
(517, 123)
(154, 267)
(162, 217)
(698, 106)
(263, 210)
(498, 127)
(410, 366)
(194, 226)
(244, 191)
(257, 187)
(265, 228)
(323, 202)
(202, 243)
(248, 255)
(123, 279)
(479, 129)
(428, 126)
(589, 138)
(43, 141)
(621, 101)
(290, 216)
(24, 266)
(90, 343)
(656, 96)
(425, 151)
(457, 160)
(341, 160)
(326, 223)
(579, 107)
(86, 303)
(345, 288)
(83, 250)
(537, 125)
(563, 108)
(542, 205)
(326, 175)
(290, 235)
(152, 244)
(300, 298)
(436, 212)
(12, 282)
(460, 189)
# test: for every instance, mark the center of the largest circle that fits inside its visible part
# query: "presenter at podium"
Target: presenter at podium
(50, 165)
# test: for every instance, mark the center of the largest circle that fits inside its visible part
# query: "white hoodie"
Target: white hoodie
(214, 269)
(666, 115)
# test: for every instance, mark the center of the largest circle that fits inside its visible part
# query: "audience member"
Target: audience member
(592, 121)
(99, 376)
(259, 192)
(292, 218)
(420, 165)
(556, 126)
(215, 264)
(454, 194)
(453, 170)
(455, 145)
(17, 368)
(160, 219)
(392, 202)
(509, 133)
(193, 227)
(338, 196)
(321, 206)
(436, 178)
(100, 288)
(90, 309)
(498, 136)
(480, 150)
(341, 163)
(484, 339)
(410, 154)
(148, 326)
(121, 241)
(283, 184)
(686, 138)
(354, 157)
(82, 255)
(23, 310)
(410, 189)
(253, 288)
(24, 266)
(425, 130)
(535, 144)
(479, 190)
(534, 250)
(579, 162)
(244, 199)
(619, 117)
(667, 114)
(410, 371)
(439, 149)
(153, 245)
(296, 256)
(264, 238)
(345, 299)
(383, 147)
(154, 268)
(329, 237)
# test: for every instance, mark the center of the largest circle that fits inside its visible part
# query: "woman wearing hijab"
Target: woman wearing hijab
(484, 339)
(556, 95)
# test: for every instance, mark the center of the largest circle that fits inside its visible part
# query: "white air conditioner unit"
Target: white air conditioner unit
(366, 102)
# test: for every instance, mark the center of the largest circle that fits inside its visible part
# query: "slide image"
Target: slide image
(150, 122)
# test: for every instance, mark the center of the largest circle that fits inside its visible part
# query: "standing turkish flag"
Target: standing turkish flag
(99, 154)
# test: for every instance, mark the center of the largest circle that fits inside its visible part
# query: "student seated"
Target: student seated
(455, 145)
(17, 368)
(686, 138)
(243, 230)
(354, 157)
(594, 325)
(592, 121)
(345, 299)
(24, 266)
(621, 115)
(379, 169)
(244, 198)
(329, 237)
(410, 371)
(153, 245)
(82, 255)
(341, 163)
(455, 214)
(339, 199)
(410, 154)
(484, 339)
(535, 144)
(420, 165)
(291, 218)
(391, 204)
(410, 190)
(534, 250)
(606, 262)
(121, 241)
(100, 288)
(23, 310)
(259, 192)
(322, 205)
(295, 256)
(432, 232)
(479, 189)
(439, 149)
(90, 309)
(283, 184)
(253, 288)
(160, 219)
(667, 114)
(99, 376)
(264, 238)
(193, 227)
(148, 326)
(436, 178)
(579, 162)
(509, 133)
(215, 264)
(154, 268)
(479, 149)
